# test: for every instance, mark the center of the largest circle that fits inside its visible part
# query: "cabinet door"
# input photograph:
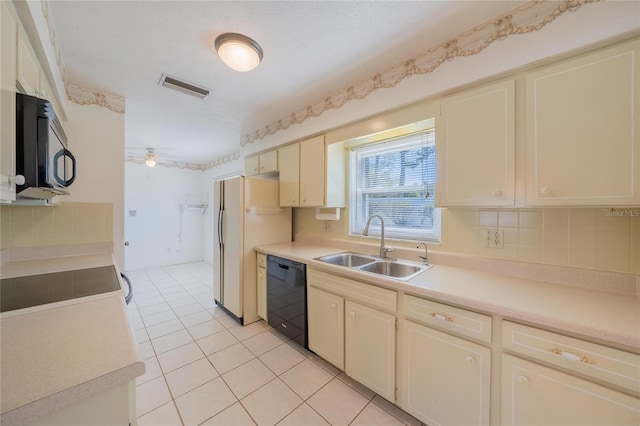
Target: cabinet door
(370, 348)
(262, 293)
(251, 166)
(325, 313)
(537, 395)
(312, 172)
(446, 379)
(8, 41)
(582, 130)
(28, 68)
(289, 175)
(269, 162)
(476, 147)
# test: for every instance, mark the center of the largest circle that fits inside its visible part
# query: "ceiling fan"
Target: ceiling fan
(152, 157)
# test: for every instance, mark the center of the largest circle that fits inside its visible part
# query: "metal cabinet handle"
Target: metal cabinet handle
(571, 356)
(523, 379)
(441, 317)
(545, 190)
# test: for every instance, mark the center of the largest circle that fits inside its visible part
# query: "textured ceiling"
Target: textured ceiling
(311, 49)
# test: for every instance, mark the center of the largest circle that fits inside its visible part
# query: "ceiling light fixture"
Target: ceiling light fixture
(238, 51)
(150, 159)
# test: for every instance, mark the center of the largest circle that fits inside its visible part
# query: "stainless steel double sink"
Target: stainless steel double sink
(375, 265)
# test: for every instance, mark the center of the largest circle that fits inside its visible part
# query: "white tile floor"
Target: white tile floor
(202, 367)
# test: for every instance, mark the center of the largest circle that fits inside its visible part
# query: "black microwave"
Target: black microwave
(42, 156)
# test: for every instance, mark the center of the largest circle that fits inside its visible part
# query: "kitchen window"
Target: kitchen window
(395, 178)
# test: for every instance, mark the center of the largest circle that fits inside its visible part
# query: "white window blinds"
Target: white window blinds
(396, 179)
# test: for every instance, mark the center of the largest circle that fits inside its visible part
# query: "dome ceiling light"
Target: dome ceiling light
(238, 52)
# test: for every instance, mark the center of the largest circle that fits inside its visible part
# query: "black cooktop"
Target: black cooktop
(35, 290)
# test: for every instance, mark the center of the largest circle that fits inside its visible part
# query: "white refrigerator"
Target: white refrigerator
(247, 214)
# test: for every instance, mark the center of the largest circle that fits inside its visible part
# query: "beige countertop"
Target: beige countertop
(603, 317)
(56, 355)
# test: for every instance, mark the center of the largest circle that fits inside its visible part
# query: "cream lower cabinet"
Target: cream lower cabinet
(114, 407)
(261, 283)
(536, 395)
(370, 348)
(446, 379)
(325, 312)
(346, 329)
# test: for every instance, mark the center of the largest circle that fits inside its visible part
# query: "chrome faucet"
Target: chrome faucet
(426, 254)
(384, 250)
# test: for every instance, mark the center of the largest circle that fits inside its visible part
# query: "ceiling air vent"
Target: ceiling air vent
(184, 87)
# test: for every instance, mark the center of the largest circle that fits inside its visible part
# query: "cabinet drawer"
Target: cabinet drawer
(601, 362)
(354, 290)
(262, 260)
(470, 324)
(533, 394)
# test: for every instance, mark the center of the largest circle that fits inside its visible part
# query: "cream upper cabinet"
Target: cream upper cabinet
(582, 130)
(370, 348)
(312, 174)
(252, 165)
(28, 68)
(289, 175)
(8, 43)
(537, 395)
(475, 147)
(446, 379)
(267, 162)
(325, 313)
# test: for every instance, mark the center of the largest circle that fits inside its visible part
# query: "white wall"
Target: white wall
(574, 30)
(571, 31)
(161, 232)
(96, 139)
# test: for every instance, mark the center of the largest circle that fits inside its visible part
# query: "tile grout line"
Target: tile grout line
(307, 355)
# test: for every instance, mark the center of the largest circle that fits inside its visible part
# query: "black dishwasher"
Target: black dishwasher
(287, 298)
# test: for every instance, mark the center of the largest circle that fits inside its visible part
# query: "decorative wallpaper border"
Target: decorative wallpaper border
(160, 163)
(528, 18)
(77, 94)
(82, 96)
(181, 165)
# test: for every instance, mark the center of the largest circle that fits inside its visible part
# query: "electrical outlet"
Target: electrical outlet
(328, 226)
(494, 238)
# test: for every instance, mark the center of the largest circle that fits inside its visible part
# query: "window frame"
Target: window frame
(394, 142)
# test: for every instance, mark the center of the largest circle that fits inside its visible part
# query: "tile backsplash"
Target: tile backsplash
(593, 238)
(68, 223)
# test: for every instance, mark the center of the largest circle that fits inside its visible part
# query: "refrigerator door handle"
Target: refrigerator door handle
(221, 232)
(220, 226)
